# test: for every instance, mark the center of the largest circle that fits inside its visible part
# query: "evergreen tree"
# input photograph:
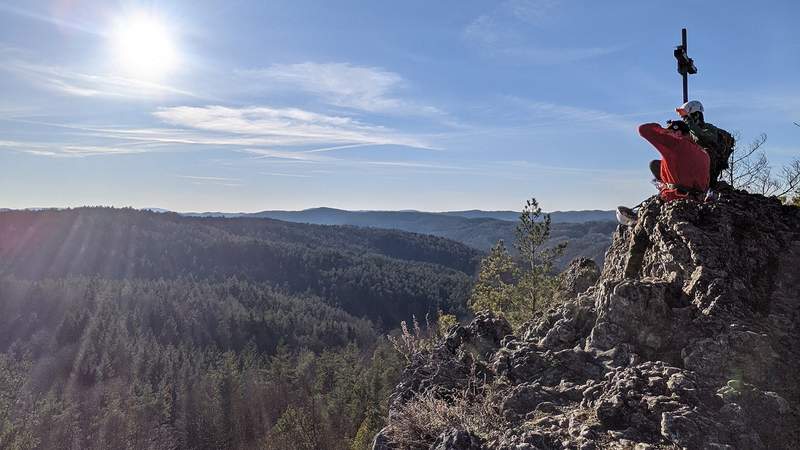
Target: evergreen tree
(496, 287)
(519, 289)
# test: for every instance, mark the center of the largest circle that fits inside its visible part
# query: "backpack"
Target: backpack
(725, 144)
(719, 145)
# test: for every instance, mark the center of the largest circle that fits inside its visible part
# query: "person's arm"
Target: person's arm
(705, 135)
(661, 138)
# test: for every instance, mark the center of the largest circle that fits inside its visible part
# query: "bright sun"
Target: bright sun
(143, 46)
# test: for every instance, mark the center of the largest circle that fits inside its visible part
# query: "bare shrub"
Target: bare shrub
(412, 342)
(749, 169)
(417, 423)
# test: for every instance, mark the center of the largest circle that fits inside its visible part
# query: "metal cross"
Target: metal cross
(686, 65)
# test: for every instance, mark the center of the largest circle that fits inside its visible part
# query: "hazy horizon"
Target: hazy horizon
(158, 208)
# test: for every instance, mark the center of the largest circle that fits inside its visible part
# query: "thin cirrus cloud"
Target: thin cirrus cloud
(284, 126)
(552, 114)
(48, 18)
(99, 85)
(502, 32)
(212, 181)
(289, 156)
(529, 11)
(539, 115)
(287, 133)
(67, 81)
(275, 131)
(67, 150)
(282, 174)
(370, 89)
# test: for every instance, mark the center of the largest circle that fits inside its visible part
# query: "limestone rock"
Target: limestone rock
(457, 440)
(690, 338)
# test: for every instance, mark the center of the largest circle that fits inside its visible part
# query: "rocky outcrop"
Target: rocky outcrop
(690, 339)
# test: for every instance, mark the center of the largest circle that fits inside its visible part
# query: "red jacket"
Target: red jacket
(683, 163)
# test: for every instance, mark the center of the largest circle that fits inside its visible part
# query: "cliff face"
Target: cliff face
(688, 339)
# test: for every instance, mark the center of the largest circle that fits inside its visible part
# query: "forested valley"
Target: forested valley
(130, 329)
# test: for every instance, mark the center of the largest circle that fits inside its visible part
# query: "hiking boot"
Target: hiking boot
(626, 216)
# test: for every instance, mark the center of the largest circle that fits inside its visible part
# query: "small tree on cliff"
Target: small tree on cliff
(496, 288)
(517, 289)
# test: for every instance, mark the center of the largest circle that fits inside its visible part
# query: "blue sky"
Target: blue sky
(254, 105)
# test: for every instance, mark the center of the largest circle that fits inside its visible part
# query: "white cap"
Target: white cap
(689, 107)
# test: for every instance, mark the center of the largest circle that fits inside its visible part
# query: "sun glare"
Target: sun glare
(144, 47)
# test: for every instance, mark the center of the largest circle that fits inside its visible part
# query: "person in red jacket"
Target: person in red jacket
(684, 168)
(682, 172)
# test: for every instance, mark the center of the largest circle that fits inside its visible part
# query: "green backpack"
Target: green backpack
(719, 144)
(725, 144)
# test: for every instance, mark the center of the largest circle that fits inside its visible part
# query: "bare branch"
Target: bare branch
(749, 169)
(740, 155)
(790, 178)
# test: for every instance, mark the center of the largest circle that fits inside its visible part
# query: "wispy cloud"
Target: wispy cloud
(411, 164)
(530, 11)
(504, 32)
(346, 85)
(202, 180)
(336, 147)
(285, 134)
(48, 18)
(67, 150)
(284, 126)
(784, 102)
(279, 174)
(539, 114)
(294, 156)
(76, 83)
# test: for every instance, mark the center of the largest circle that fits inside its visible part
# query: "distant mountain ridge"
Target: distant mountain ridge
(588, 232)
(334, 216)
(593, 215)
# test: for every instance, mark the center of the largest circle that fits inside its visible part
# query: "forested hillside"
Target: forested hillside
(131, 329)
(385, 275)
(588, 232)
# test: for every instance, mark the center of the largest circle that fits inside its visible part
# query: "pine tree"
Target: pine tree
(517, 290)
(537, 282)
(495, 289)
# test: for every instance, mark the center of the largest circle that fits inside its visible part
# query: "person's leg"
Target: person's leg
(655, 168)
(626, 216)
